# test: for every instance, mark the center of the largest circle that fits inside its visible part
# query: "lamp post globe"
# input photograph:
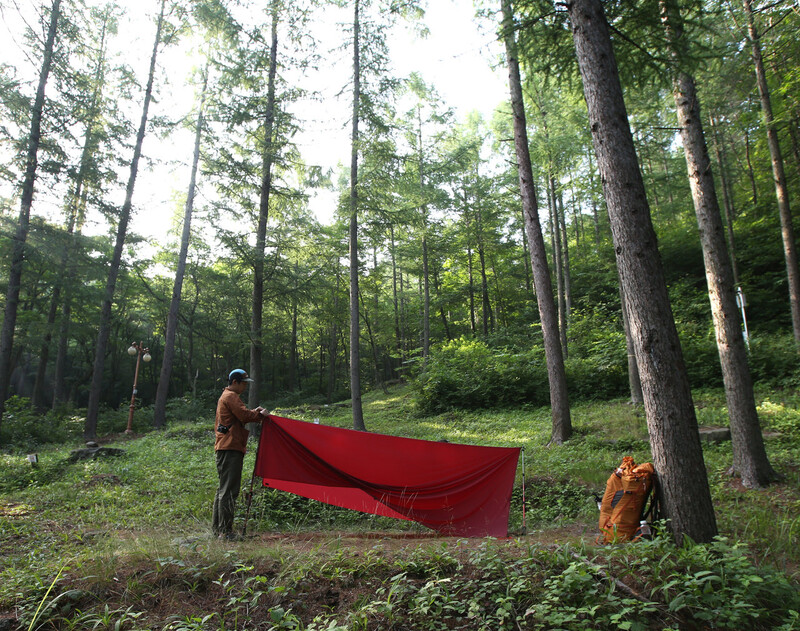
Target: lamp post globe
(142, 354)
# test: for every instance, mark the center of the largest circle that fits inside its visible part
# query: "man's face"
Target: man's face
(238, 386)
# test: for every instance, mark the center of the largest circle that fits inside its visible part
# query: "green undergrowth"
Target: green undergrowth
(459, 584)
(124, 542)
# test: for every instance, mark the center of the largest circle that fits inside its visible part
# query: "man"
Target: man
(230, 447)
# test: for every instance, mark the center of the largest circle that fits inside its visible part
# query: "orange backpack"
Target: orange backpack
(623, 502)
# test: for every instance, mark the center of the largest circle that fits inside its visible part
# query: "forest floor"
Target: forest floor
(124, 543)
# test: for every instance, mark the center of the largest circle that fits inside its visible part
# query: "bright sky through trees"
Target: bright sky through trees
(456, 58)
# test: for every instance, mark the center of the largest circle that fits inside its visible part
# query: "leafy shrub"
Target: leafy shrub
(717, 584)
(113, 421)
(24, 429)
(467, 374)
(597, 334)
(592, 379)
(774, 358)
(700, 355)
(549, 501)
(187, 409)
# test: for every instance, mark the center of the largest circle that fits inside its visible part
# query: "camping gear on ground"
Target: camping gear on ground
(623, 503)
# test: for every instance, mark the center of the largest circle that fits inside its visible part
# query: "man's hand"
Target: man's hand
(264, 412)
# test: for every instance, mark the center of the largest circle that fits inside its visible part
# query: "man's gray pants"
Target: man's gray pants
(229, 468)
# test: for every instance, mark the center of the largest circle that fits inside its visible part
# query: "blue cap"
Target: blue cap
(238, 375)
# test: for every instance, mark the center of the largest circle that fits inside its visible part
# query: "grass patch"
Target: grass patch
(125, 542)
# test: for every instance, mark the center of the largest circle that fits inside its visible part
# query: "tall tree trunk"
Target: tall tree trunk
(593, 201)
(76, 216)
(526, 258)
(90, 426)
(291, 374)
(374, 348)
(728, 204)
(23, 223)
(437, 289)
(781, 189)
(396, 305)
(794, 125)
(160, 406)
(355, 326)
(634, 382)
(501, 307)
(470, 274)
(267, 157)
(334, 336)
(664, 156)
(671, 420)
(37, 396)
(191, 373)
(487, 317)
(558, 261)
(426, 302)
(567, 297)
(403, 314)
(559, 401)
(749, 456)
(750, 172)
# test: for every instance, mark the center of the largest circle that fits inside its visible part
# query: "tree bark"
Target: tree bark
(750, 172)
(634, 382)
(749, 456)
(781, 189)
(727, 203)
(426, 302)
(558, 262)
(526, 258)
(23, 223)
(593, 201)
(44, 350)
(674, 437)
(437, 289)
(334, 336)
(567, 297)
(397, 333)
(470, 275)
(160, 406)
(90, 426)
(291, 373)
(355, 328)
(559, 401)
(267, 158)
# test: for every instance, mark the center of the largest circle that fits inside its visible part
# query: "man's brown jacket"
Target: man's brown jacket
(233, 414)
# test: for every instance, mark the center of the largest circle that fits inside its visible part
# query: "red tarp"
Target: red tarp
(462, 490)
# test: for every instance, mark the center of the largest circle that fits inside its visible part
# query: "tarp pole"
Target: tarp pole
(252, 480)
(524, 526)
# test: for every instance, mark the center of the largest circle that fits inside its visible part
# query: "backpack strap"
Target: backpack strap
(653, 512)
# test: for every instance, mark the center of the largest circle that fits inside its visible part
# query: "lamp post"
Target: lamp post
(141, 353)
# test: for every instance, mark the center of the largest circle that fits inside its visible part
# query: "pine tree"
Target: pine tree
(671, 420)
(23, 223)
(104, 330)
(559, 400)
(749, 455)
